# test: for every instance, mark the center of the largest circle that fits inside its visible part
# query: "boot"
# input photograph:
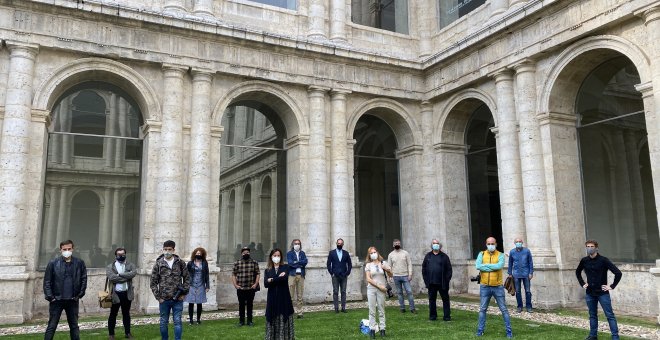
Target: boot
(372, 334)
(382, 333)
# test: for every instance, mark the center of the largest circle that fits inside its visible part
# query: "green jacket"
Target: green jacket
(165, 281)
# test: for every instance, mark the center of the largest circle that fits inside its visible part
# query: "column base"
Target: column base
(656, 274)
(15, 295)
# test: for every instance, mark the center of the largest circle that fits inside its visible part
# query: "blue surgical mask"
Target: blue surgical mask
(518, 244)
(491, 247)
(435, 246)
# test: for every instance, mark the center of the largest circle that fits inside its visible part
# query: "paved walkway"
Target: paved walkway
(571, 321)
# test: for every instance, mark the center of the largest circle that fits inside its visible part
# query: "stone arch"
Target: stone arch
(90, 69)
(574, 63)
(450, 128)
(393, 114)
(77, 190)
(257, 93)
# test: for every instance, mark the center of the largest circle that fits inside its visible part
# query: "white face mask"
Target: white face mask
(276, 259)
(491, 247)
(67, 253)
(296, 247)
(374, 256)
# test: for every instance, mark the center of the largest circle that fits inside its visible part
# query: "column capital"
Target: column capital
(450, 148)
(151, 126)
(409, 151)
(645, 89)
(21, 49)
(314, 89)
(556, 118)
(426, 105)
(41, 116)
(502, 74)
(495, 130)
(216, 131)
(202, 74)
(339, 93)
(297, 141)
(174, 70)
(525, 65)
(649, 14)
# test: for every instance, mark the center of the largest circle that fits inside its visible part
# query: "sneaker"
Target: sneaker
(519, 309)
(240, 324)
(446, 319)
(414, 311)
(190, 322)
(250, 324)
(509, 336)
(199, 322)
(529, 310)
(480, 333)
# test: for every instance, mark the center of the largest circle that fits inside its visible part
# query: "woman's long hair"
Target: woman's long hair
(200, 249)
(368, 259)
(270, 264)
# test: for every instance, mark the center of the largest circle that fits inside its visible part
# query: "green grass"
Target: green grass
(649, 322)
(328, 325)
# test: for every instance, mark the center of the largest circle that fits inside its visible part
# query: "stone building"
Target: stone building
(219, 123)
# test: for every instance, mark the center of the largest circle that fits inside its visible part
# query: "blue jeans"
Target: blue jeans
(528, 293)
(485, 293)
(606, 304)
(402, 283)
(177, 308)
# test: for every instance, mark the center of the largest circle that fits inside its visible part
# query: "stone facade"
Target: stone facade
(185, 62)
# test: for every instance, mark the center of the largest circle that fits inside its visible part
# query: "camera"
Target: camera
(476, 278)
(179, 291)
(389, 291)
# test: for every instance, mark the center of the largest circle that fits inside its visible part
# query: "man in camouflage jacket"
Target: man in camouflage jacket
(170, 284)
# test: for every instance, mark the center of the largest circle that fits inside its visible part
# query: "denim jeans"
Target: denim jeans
(606, 304)
(339, 284)
(485, 293)
(402, 283)
(55, 308)
(528, 293)
(177, 308)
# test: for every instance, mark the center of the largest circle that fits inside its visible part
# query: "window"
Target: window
(452, 10)
(288, 4)
(391, 15)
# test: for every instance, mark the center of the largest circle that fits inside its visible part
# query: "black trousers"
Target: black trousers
(433, 296)
(55, 308)
(125, 305)
(245, 299)
(191, 306)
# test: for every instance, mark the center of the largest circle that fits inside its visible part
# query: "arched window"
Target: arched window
(619, 201)
(253, 213)
(483, 182)
(376, 178)
(391, 15)
(94, 156)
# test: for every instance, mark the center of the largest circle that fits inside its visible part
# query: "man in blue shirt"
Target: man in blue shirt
(521, 269)
(339, 266)
(297, 262)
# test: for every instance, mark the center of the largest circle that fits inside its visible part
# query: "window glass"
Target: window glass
(391, 15)
(92, 175)
(288, 4)
(452, 10)
(619, 201)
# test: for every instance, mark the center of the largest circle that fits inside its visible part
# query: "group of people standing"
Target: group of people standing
(173, 282)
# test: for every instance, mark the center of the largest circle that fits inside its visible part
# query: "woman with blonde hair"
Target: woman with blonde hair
(375, 271)
(198, 269)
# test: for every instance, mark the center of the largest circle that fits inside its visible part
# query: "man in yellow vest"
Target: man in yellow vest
(490, 263)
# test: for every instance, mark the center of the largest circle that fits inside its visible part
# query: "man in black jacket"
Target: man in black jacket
(65, 282)
(436, 271)
(597, 289)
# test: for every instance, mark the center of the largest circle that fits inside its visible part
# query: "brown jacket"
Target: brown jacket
(510, 286)
(165, 281)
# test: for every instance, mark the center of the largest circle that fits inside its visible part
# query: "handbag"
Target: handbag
(105, 298)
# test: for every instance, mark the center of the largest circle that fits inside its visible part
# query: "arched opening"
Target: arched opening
(252, 147)
(93, 146)
(619, 203)
(482, 178)
(376, 178)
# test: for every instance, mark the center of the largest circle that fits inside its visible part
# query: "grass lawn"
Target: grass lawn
(328, 325)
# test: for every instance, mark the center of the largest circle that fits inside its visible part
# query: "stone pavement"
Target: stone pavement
(541, 317)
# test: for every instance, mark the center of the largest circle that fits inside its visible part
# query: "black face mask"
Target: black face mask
(397, 247)
(246, 256)
(339, 246)
(199, 257)
(121, 258)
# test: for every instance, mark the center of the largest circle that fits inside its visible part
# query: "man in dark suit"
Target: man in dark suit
(339, 266)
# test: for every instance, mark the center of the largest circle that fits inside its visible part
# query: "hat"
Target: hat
(245, 248)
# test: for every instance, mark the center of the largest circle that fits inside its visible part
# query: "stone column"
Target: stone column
(169, 187)
(338, 21)
(110, 130)
(174, 6)
(199, 173)
(427, 25)
(317, 226)
(15, 150)
(203, 8)
(67, 140)
(339, 213)
(122, 124)
(62, 217)
(418, 243)
(508, 160)
(531, 163)
(316, 17)
(105, 234)
(51, 226)
(498, 7)
(117, 224)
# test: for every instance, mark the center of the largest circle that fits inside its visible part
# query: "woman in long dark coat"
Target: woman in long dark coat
(279, 308)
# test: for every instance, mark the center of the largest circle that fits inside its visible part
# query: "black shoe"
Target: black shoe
(433, 319)
(343, 310)
(190, 322)
(300, 316)
(382, 333)
(414, 311)
(403, 311)
(199, 322)
(129, 336)
(372, 334)
(250, 324)
(240, 324)
(446, 319)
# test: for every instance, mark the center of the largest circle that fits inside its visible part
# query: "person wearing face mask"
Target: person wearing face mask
(375, 270)
(246, 281)
(170, 283)
(65, 283)
(437, 272)
(297, 262)
(490, 262)
(401, 264)
(339, 266)
(120, 274)
(279, 308)
(595, 266)
(521, 269)
(198, 270)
